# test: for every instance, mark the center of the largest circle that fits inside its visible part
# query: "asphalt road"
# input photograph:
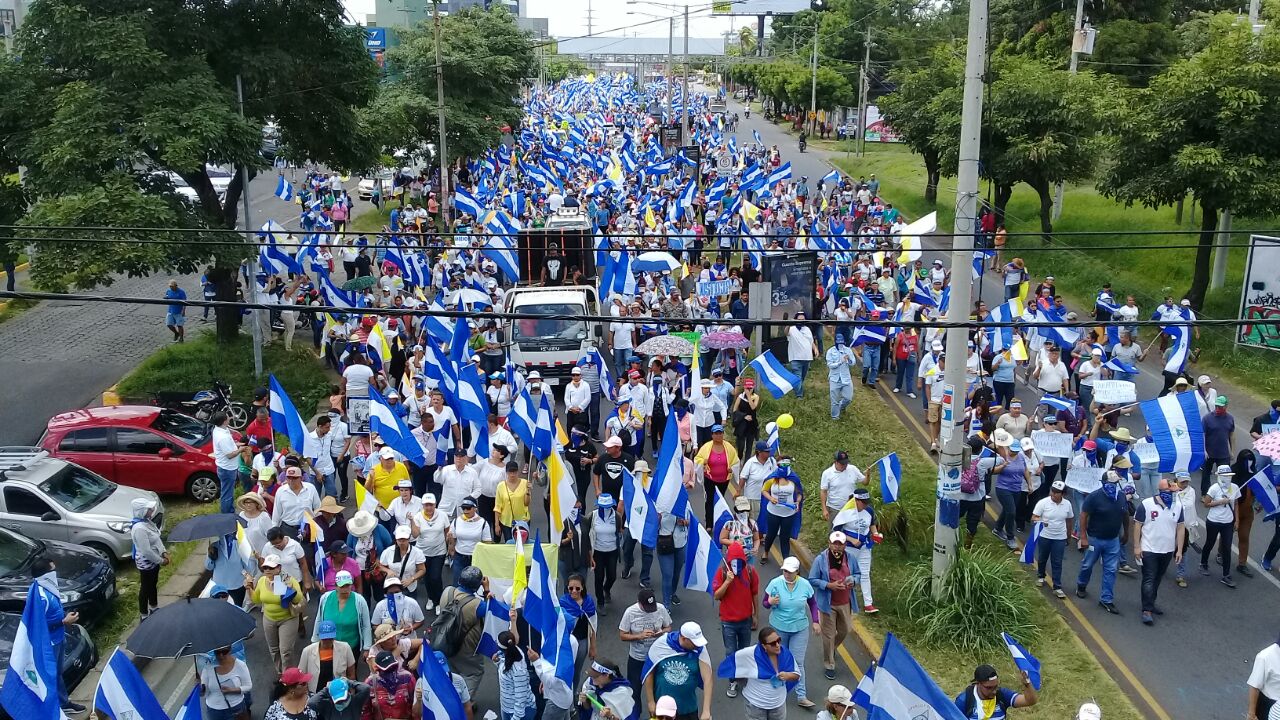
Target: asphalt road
(1196, 659)
(63, 355)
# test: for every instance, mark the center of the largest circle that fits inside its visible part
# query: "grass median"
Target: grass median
(868, 430)
(1081, 263)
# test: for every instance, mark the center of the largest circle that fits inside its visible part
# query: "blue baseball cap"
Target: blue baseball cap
(328, 630)
(717, 428)
(338, 688)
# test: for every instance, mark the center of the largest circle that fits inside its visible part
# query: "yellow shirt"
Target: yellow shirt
(512, 506)
(384, 481)
(267, 597)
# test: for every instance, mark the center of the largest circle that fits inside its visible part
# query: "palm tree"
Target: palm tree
(747, 39)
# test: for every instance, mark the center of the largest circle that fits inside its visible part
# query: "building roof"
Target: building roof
(638, 46)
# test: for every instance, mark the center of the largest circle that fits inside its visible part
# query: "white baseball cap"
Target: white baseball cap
(386, 453)
(791, 564)
(692, 632)
(403, 532)
(614, 441)
(840, 695)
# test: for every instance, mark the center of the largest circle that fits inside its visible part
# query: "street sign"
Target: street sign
(948, 413)
(724, 162)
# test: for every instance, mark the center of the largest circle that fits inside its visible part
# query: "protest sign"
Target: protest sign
(1084, 479)
(1114, 392)
(1052, 444)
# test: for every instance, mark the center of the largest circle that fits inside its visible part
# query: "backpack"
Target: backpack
(969, 480)
(971, 701)
(449, 629)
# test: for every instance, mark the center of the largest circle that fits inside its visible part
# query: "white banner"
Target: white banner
(1148, 454)
(1114, 392)
(1085, 479)
(1051, 444)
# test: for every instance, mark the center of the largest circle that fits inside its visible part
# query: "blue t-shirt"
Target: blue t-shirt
(1217, 434)
(175, 294)
(1004, 699)
(680, 677)
(791, 614)
(1106, 516)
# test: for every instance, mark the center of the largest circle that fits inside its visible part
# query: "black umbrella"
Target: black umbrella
(204, 526)
(192, 626)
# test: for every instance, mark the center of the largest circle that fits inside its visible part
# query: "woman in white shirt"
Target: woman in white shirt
(1088, 371)
(801, 350)
(1054, 511)
(226, 685)
(433, 526)
(499, 394)
(465, 532)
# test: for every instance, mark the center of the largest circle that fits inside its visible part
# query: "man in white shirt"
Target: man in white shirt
(927, 373)
(754, 472)
(457, 481)
(1055, 512)
(1264, 683)
(1052, 374)
(1220, 522)
(838, 483)
(226, 457)
(293, 500)
(358, 376)
(621, 341)
(1157, 542)
(319, 451)
(577, 400)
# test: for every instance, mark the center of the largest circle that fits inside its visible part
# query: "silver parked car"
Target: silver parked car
(52, 499)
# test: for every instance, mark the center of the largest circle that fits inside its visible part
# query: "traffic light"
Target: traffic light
(817, 5)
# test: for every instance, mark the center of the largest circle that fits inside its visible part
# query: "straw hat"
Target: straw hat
(251, 497)
(383, 632)
(330, 505)
(1002, 438)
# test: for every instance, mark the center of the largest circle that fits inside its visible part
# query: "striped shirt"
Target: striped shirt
(514, 692)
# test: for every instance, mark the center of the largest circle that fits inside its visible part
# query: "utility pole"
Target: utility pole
(864, 89)
(684, 97)
(256, 314)
(1075, 62)
(947, 521)
(442, 148)
(671, 67)
(1218, 275)
(813, 75)
(1254, 7)
(590, 17)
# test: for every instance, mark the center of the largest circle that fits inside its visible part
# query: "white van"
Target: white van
(551, 345)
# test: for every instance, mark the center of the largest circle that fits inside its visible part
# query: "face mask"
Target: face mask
(1112, 490)
(573, 514)
(744, 516)
(1122, 448)
(1224, 481)
(1166, 497)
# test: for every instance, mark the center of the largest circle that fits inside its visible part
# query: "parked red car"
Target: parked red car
(140, 446)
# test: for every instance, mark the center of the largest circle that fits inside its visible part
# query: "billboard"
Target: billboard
(1260, 297)
(758, 7)
(375, 38)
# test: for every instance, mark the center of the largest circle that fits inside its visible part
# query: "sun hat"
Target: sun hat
(362, 523)
(330, 505)
(1002, 438)
(294, 676)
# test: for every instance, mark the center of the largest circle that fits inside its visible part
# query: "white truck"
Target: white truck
(552, 344)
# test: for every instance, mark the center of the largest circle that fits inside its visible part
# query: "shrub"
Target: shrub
(984, 596)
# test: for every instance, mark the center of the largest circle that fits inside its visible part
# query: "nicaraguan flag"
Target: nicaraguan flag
(783, 172)
(284, 416)
(392, 429)
(890, 477)
(640, 513)
(497, 617)
(902, 690)
(755, 134)
(1181, 350)
(668, 476)
(1025, 661)
(1029, 550)
(702, 556)
(436, 326)
(863, 334)
(191, 707)
(1264, 491)
(466, 202)
(284, 190)
(773, 375)
(1058, 403)
(31, 684)
(1118, 365)
(862, 693)
(544, 429)
(123, 694)
(440, 700)
(668, 646)
(1176, 429)
(540, 604)
(722, 514)
(832, 177)
(524, 416)
(754, 663)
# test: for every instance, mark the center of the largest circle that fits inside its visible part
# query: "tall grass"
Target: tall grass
(984, 595)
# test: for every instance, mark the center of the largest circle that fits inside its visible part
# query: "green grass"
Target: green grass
(372, 220)
(1080, 264)
(12, 308)
(867, 431)
(189, 366)
(124, 611)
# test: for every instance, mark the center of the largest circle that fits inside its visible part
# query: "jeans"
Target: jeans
(1007, 522)
(841, 396)
(1109, 552)
(634, 668)
(736, 634)
(628, 558)
(780, 529)
(1215, 531)
(971, 511)
(148, 597)
(329, 485)
(906, 375)
(620, 356)
(1086, 395)
(672, 567)
(1154, 566)
(227, 480)
(797, 642)
(606, 573)
(801, 368)
(1003, 392)
(1273, 547)
(435, 578)
(1050, 551)
(63, 697)
(870, 363)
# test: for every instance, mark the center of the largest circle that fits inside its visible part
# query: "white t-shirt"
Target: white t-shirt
(469, 533)
(764, 694)
(1159, 525)
(799, 344)
(754, 474)
(224, 444)
(839, 484)
(1223, 513)
(1088, 372)
(408, 611)
(236, 679)
(290, 557)
(431, 539)
(621, 335)
(1265, 676)
(405, 567)
(358, 377)
(1125, 313)
(1055, 516)
(1053, 376)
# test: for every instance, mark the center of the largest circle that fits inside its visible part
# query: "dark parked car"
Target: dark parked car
(79, 655)
(86, 579)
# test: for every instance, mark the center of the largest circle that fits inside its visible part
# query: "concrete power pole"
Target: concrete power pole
(671, 66)
(684, 97)
(255, 329)
(1075, 62)
(813, 75)
(864, 90)
(443, 147)
(947, 520)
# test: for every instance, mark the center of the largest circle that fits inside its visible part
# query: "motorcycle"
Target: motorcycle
(205, 403)
(803, 143)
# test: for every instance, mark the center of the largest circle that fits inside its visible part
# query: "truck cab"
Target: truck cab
(551, 344)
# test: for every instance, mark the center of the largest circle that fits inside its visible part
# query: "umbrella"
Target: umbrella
(656, 261)
(665, 345)
(204, 526)
(1268, 445)
(724, 340)
(192, 626)
(360, 283)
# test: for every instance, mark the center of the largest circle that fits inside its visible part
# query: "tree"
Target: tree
(915, 108)
(105, 96)
(1207, 124)
(747, 40)
(13, 204)
(558, 67)
(1134, 51)
(484, 57)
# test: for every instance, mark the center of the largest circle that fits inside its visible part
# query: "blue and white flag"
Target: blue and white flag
(722, 514)
(902, 690)
(540, 603)
(1264, 491)
(1058, 403)
(497, 617)
(31, 684)
(755, 135)
(782, 172)
(639, 511)
(702, 557)
(555, 666)
(1000, 339)
(1181, 349)
(440, 700)
(191, 707)
(773, 375)
(1176, 430)
(523, 419)
(832, 177)
(284, 416)
(1025, 661)
(544, 429)
(392, 429)
(668, 646)
(863, 334)
(1120, 366)
(284, 190)
(123, 694)
(754, 663)
(466, 202)
(890, 470)
(862, 693)
(1029, 550)
(668, 475)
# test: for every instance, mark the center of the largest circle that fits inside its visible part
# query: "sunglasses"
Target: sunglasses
(774, 642)
(574, 589)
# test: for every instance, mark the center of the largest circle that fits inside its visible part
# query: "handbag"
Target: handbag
(666, 545)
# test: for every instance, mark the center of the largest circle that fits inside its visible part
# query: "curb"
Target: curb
(111, 398)
(16, 270)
